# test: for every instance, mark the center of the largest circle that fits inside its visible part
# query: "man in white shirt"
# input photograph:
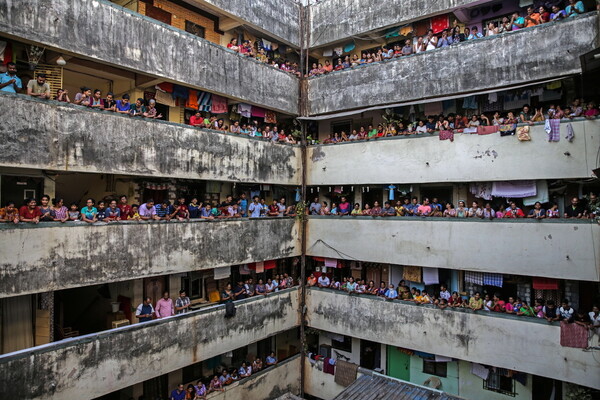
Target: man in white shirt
(323, 281)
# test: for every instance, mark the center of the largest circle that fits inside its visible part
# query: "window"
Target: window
(194, 29)
(345, 345)
(435, 368)
(500, 383)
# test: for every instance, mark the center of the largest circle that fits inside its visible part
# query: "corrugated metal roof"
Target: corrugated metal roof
(376, 387)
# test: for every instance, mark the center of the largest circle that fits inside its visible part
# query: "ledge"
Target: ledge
(475, 337)
(151, 47)
(60, 257)
(68, 137)
(93, 365)
(563, 250)
(386, 82)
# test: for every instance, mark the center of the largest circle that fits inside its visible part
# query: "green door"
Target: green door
(398, 364)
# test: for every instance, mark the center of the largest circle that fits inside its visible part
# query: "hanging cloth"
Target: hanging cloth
(554, 134)
(434, 108)
(222, 273)
(470, 103)
(192, 100)
(406, 30)
(219, 104)
(260, 267)
(542, 194)
(440, 23)
(474, 277)
(447, 135)
(431, 276)
(245, 110)
(164, 98)
(517, 189)
(165, 87)
(271, 118)
(258, 112)
(331, 262)
(492, 279)
(412, 274)
(545, 283)
(570, 133)
(204, 101)
(180, 92)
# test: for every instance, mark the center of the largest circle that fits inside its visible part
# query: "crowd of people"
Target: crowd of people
(410, 207)
(226, 377)
(113, 210)
(443, 299)
(451, 36)
(468, 124)
(252, 50)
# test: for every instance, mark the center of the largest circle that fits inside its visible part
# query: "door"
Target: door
(154, 287)
(19, 188)
(370, 354)
(398, 363)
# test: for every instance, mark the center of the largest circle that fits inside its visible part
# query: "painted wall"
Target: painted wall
(491, 340)
(93, 365)
(67, 137)
(449, 383)
(471, 386)
(470, 158)
(156, 49)
(54, 256)
(561, 249)
(388, 83)
(267, 384)
(338, 20)
(319, 384)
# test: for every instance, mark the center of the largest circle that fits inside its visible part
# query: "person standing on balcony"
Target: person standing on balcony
(124, 207)
(145, 311)
(39, 87)
(182, 304)
(147, 211)
(574, 8)
(164, 306)
(574, 210)
(315, 207)
(113, 213)
(9, 81)
(255, 208)
(344, 208)
(323, 281)
(9, 213)
(271, 359)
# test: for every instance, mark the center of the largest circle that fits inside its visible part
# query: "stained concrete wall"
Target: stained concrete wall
(270, 383)
(117, 36)
(279, 18)
(336, 20)
(504, 342)
(561, 249)
(52, 135)
(93, 365)
(470, 158)
(483, 65)
(52, 256)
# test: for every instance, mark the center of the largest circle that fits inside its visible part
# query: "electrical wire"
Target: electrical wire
(339, 253)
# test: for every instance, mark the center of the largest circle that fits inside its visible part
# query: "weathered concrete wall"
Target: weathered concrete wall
(319, 384)
(481, 68)
(512, 343)
(52, 256)
(129, 40)
(93, 365)
(279, 18)
(51, 135)
(470, 158)
(335, 20)
(554, 249)
(267, 384)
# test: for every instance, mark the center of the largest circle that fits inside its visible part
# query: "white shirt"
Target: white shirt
(324, 280)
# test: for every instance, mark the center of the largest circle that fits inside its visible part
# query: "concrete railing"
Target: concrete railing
(93, 365)
(482, 65)
(562, 249)
(512, 343)
(55, 256)
(129, 40)
(57, 136)
(470, 158)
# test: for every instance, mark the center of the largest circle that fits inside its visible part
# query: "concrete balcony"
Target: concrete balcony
(93, 365)
(499, 340)
(562, 249)
(470, 158)
(61, 256)
(433, 73)
(148, 46)
(357, 17)
(66, 137)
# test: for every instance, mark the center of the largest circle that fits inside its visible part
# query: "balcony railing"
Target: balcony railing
(481, 337)
(469, 158)
(562, 248)
(51, 135)
(129, 40)
(55, 256)
(482, 65)
(90, 366)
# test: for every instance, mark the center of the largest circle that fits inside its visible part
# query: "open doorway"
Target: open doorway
(370, 354)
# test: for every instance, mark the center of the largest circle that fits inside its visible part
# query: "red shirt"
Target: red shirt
(125, 211)
(26, 213)
(510, 213)
(196, 121)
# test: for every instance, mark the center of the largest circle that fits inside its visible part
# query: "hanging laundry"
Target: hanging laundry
(434, 108)
(204, 101)
(164, 98)
(149, 96)
(482, 190)
(331, 262)
(507, 129)
(513, 101)
(391, 192)
(545, 283)
(260, 267)
(219, 104)
(180, 92)
(328, 53)
(222, 273)
(447, 135)
(271, 118)
(431, 276)
(448, 107)
(542, 194)
(474, 277)
(497, 105)
(245, 110)
(554, 134)
(338, 51)
(267, 45)
(406, 30)
(412, 274)
(523, 133)
(5, 52)
(440, 23)
(258, 112)
(516, 189)
(487, 130)
(192, 100)
(470, 103)
(165, 87)
(493, 97)
(492, 279)
(480, 371)
(573, 335)
(271, 264)
(244, 270)
(570, 133)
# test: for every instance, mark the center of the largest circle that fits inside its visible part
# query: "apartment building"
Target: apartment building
(217, 103)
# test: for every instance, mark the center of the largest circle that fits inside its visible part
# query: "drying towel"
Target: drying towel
(474, 277)
(435, 108)
(482, 190)
(260, 267)
(523, 133)
(447, 135)
(331, 262)
(518, 189)
(440, 23)
(166, 87)
(222, 273)
(204, 101)
(164, 98)
(545, 284)
(258, 112)
(245, 110)
(507, 129)
(573, 335)
(180, 92)
(542, 194)
(412, 274)
(328, 368)
(271, 264)
(192, 100)
(271, 118)
(430, 276)
(345, 373)
(570, 133)
(480, 371)
(554, 134)
(492, 279)
(487, 130)
(219, 104)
